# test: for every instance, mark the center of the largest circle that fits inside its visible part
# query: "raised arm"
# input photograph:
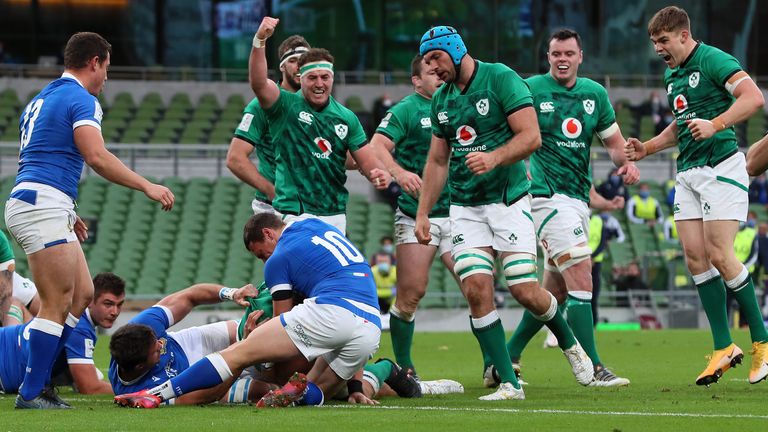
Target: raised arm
(749, 99)
(636, 150)
(264, 88)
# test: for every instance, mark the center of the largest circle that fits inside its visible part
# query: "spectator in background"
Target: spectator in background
(643, 208)
(603, 227)
(670, 230)
(667, 118)
(613, 187)
(628, 279)
(761, 269)
(380, 107)
(385, 276)
(656, 109)
(669, 188)
(386, 246)
(758, 190)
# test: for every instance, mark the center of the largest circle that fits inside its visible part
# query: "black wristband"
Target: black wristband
(354, 386)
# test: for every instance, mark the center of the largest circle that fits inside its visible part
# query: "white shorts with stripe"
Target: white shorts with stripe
(40, 216)
(498, 226)
(198, 342)
(713, 193)
(561, 223)
(343, 339)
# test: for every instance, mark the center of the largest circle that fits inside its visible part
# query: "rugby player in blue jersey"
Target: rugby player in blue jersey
(60, 130)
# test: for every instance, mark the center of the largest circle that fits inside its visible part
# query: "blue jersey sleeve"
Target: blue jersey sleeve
(277, 276)
(86, 111)
(159, 318)
(80, 344)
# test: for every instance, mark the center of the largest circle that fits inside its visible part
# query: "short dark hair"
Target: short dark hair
(290, 43)
(130, 345)
(252, 230)
(386, 238)
(564, 34)
(84, 46)
(108, 282)
(669, 19)
(417, 64)
(315, 54)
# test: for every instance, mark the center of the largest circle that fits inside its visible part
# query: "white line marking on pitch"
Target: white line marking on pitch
(554, 411)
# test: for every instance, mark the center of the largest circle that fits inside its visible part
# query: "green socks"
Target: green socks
(712, 295)
(525, 331)
(490, 334)
(401, 332)
(743, 290)
(580, 321)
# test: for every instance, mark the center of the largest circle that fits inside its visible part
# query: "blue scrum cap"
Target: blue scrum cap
(443, 38)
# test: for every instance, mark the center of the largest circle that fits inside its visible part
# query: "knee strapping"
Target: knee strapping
(238, 393)
(572, 257)
(519, 268)
(473, 261)
(220, 365)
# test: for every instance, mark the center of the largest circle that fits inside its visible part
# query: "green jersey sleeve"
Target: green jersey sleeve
(514, 93)
(719, 66)
(607, 114)
(357, 138)
(252, 125)
(392, 127)
(6, 252)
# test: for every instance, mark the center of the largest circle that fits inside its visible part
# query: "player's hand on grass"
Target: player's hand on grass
(380, 178)
(161, 194)
(267, 27)
(630, 173)
(635, 150)
(481, 162)
(81, 229)
(701, 129)
(240, 296)
(410, 182)
(422, 230)
(252, 322)
(359, 398)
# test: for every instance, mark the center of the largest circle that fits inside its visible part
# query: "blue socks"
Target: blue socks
(210, 371)
(43, 334)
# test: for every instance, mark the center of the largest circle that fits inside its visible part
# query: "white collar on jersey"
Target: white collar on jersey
(69, 75)
(88, 316)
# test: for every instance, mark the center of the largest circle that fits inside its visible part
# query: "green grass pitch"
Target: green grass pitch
(661, 364)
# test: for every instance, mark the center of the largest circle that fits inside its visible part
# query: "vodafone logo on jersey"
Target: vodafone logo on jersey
(571, 128)
(466, 135)
(681, 103)
(325, 148)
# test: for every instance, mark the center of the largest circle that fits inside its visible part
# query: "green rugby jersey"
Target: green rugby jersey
(6, 252)
(408, 125)
(568, 118)
(254, 129)
(475, 120)
(261, 302)
(696, 90)
(310, 151)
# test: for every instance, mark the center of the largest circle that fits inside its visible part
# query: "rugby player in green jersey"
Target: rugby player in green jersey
(253, 132)
(709, 93)
(483, 126)
(570, 111)
(315, 132)
(406, 130)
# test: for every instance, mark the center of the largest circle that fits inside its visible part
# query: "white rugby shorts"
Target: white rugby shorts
(713, 193)
(40, 216)
(501, 227)
(344, 340)
(440, 230)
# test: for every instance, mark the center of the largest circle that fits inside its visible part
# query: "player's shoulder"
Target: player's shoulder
(710, 52)
(338, 108)
(253, 106)
(591, 86)
(538, 81)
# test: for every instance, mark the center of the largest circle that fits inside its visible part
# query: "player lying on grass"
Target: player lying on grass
(338, 325)
(144, 352)
(75, 365)
(381, 379)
